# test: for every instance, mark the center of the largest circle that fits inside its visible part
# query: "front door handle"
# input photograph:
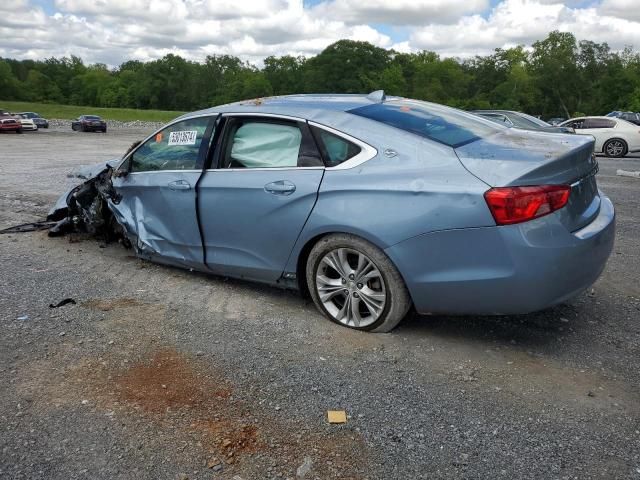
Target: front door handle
(280, 187)
(179, 185)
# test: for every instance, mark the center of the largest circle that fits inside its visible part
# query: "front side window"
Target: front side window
(436, 122)
(335, 149)
(174, 148)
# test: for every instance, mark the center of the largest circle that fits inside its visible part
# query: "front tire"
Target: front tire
(19, 131)
(354, 284)
(615, 148)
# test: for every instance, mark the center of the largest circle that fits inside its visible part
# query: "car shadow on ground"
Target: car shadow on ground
(531, 330)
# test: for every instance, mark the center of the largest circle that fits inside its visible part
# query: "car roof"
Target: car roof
(297, 104)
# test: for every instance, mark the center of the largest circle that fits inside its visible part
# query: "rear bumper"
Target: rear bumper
(513, 269)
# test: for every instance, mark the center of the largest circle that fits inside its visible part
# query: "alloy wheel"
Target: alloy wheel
(615, 148)
(351, 287)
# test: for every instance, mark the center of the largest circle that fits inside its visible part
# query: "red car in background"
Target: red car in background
(9, 123)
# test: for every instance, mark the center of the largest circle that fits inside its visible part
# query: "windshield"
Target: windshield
(436, 122)
(91, 117)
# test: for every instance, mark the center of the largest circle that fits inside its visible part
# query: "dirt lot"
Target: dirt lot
(160, 373)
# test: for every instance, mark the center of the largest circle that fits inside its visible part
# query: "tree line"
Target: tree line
(556, 76)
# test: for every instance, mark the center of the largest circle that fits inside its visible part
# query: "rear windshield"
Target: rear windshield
(436, 122)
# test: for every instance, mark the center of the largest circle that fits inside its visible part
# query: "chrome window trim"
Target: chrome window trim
(146, 172)
(267, 115)
(367, 152)
(271, 169)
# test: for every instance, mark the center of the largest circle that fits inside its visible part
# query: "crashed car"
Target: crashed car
(371, 204)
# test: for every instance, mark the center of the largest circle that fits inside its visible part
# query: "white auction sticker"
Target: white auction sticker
(184, 137)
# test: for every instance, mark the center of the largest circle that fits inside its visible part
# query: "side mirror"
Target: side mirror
(123, 170)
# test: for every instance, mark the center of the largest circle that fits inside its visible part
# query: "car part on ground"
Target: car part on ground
(370, 204)
(614, 137)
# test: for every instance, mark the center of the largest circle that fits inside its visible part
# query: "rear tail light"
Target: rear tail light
(511, 205)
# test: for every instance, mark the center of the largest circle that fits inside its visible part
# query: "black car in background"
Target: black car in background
(89, 123)
(520, 120)
(37, 119)
(628, 116)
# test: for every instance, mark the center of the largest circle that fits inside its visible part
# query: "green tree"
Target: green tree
(40, 88)
(346, 66)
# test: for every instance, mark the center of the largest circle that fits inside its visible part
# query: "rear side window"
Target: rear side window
(436, 122)
(599, 123)
(335, 149)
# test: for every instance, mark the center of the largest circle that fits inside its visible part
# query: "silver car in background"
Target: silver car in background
(370, 204)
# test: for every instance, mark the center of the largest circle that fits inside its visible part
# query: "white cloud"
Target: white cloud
(514, 22)
(112, 31)
(399, 12)
(625, 9)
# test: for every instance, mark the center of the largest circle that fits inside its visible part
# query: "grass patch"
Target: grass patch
(52, 110)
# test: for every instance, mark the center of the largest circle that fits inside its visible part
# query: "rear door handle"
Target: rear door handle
(280, 187)
(179, 185)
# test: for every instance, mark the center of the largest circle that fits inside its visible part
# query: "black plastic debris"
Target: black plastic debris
(28, 227)
(63, 302)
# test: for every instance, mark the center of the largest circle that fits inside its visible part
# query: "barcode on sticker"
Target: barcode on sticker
(185, 137)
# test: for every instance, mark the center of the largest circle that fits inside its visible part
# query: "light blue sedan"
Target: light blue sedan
(370, 204)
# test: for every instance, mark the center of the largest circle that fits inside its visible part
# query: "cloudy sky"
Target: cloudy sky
(111, 31)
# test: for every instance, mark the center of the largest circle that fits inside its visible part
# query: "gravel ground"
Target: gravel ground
(158, 373)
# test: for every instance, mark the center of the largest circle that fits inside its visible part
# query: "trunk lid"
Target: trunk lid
(520, 158)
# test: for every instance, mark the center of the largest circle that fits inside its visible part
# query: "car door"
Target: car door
(157, 192)
(257, 196)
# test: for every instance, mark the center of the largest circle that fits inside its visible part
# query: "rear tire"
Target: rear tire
(615, 148)
(364, 291)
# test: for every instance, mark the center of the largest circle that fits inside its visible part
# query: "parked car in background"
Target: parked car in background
(628, 116)
(520, 120)
(614, 137)
(556, 121)
(28, 125)
(9, 123)
(37, 119)
(371, 204)
(89, 123)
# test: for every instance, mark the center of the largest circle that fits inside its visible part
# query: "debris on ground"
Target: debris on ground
(62, 303)
(337, 416)
(305, 468)
(28, 227)
(627, 173)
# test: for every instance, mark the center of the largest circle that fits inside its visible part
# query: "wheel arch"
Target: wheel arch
(309, 243)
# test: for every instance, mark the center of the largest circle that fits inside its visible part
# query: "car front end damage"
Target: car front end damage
(87, 206)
